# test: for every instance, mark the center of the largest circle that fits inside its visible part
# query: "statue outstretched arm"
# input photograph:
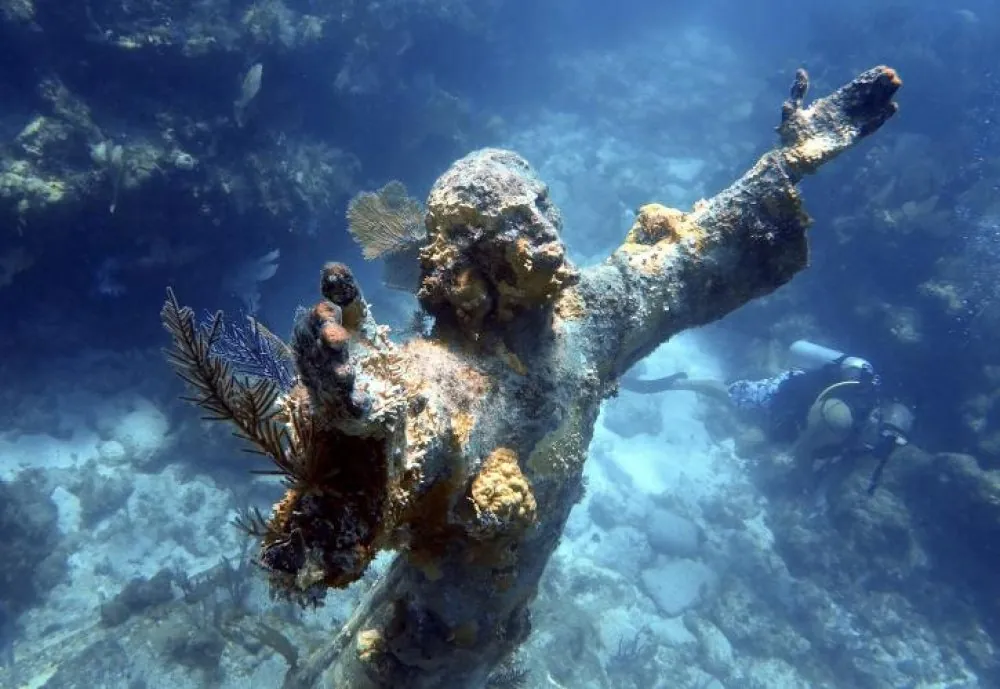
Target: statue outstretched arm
(680, 269)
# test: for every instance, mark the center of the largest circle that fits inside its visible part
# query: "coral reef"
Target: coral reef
(34, 559)
(463, 450)
(206, 124)
(179, 131)
(921, 589)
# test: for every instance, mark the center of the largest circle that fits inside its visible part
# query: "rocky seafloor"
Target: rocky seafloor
(676, 570)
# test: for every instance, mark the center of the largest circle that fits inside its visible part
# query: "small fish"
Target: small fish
(249, 89)
(117, 174)
(968, 16)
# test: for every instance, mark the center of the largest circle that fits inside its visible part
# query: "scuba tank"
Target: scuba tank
(809, 355)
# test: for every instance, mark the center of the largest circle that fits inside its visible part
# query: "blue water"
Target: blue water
(135, 155)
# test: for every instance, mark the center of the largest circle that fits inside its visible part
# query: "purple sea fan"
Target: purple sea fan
(253, 350)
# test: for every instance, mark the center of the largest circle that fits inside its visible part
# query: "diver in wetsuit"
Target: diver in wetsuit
(826, 405)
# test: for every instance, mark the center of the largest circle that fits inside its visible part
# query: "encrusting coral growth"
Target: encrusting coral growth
(464, 450)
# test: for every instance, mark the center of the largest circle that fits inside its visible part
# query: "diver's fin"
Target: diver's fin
(653, 385)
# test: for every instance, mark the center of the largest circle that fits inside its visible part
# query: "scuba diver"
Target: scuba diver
(826, 406)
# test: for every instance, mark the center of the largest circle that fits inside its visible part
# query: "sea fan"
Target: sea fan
(386, 221)
(248, 402)
(250, 406)
(254, 351)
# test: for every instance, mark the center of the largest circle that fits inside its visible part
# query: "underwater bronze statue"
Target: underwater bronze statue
(463, 449)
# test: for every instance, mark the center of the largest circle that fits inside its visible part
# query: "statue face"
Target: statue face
(494, 249)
